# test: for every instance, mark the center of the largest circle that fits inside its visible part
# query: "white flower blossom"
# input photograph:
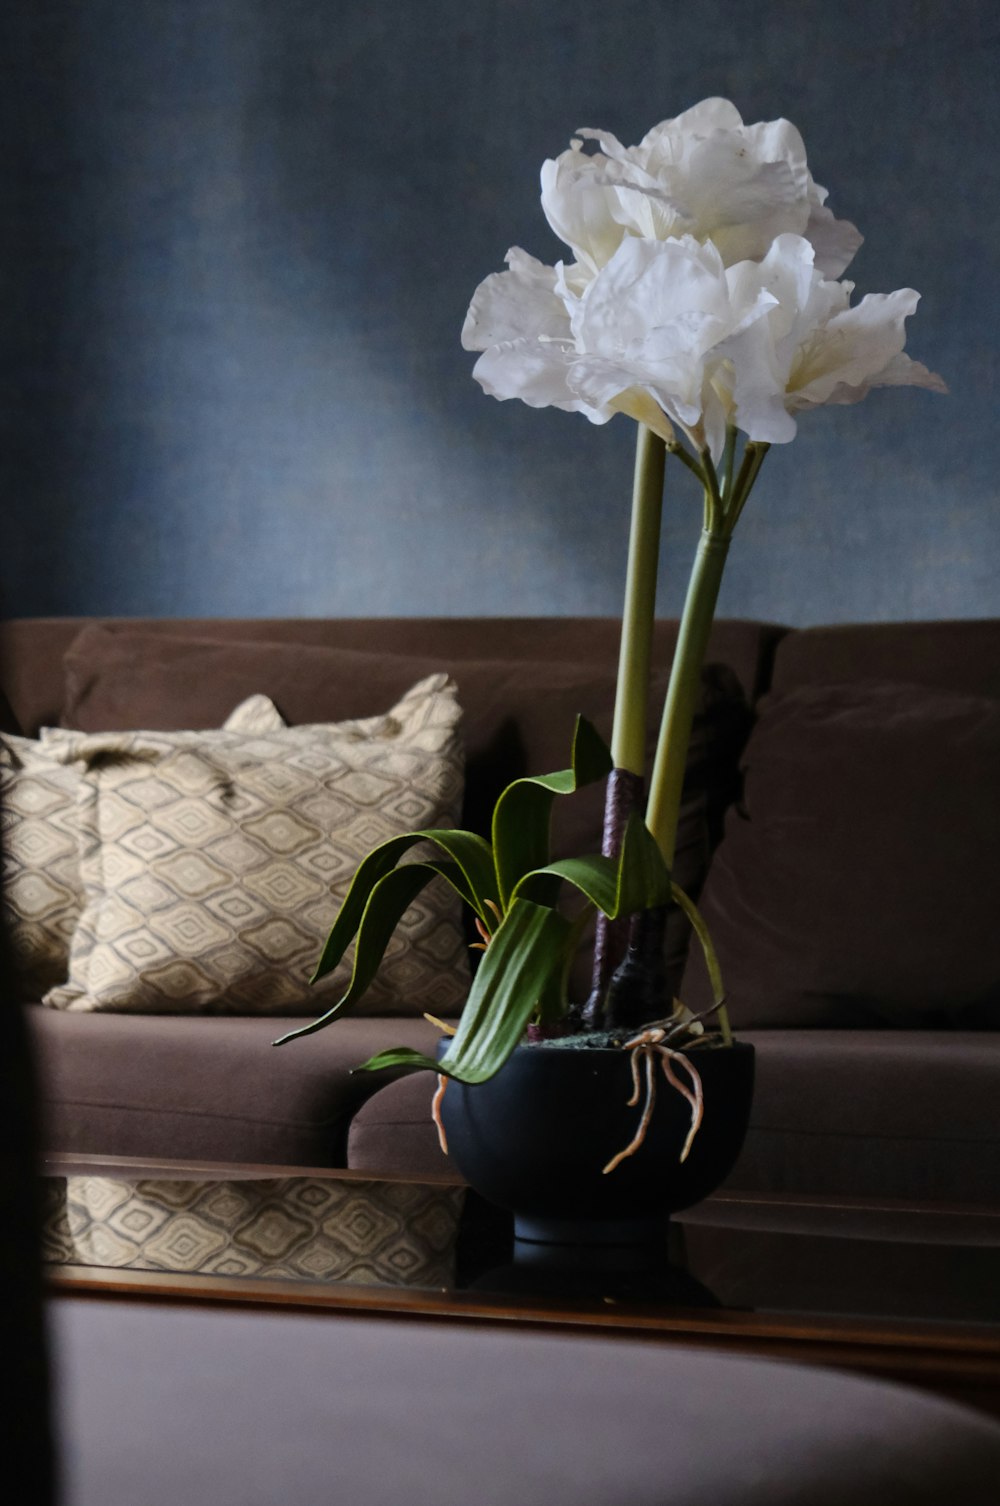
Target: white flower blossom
(666, 333)
(642, 337)
(812, 348)
(704, 174)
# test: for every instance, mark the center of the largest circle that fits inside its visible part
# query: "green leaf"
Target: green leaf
(529, 950)
(523, 812)
(697, 920)
(402, 1058)
(387, 903)
(701, 930)
(468, 852)
(524, 952)
(644, 882)
(638, 880)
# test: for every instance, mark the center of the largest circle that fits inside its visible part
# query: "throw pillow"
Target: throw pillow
(214, 864)
(42, 886)
(856, 883)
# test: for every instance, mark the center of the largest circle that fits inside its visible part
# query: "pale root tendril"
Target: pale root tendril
(648, 1046)
(436, 1113)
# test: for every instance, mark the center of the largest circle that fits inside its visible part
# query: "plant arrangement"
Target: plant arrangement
(705, 301)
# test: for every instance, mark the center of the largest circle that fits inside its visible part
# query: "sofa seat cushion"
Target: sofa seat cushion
(874, 1113)
(206, 1088)
(870, 1113)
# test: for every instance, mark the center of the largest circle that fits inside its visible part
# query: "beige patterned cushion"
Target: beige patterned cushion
(214, 863)
(42, 887)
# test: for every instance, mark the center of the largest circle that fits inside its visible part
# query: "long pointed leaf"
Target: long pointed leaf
(644, 882)
(528, 950)
(469, 852)
(522, 814)
(697, 920)
(525, 951)
(387, 903)
(638, 880)
(701, 930)
(403, 1058)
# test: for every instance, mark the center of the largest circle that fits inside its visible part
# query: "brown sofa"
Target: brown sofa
(841, 823)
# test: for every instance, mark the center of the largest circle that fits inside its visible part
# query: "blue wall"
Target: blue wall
(239, 243)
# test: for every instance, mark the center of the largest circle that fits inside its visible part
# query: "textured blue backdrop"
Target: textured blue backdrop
(240, 239)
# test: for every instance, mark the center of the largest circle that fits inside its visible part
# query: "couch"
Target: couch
(841, 827)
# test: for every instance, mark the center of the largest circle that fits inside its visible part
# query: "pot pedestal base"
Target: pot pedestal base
(601, 1233)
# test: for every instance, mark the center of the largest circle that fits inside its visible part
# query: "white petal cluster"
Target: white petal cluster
(704, 174)
(703, 295)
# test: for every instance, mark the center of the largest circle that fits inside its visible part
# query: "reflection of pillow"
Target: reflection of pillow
(214, 864)
(858, 883)
(43, 890)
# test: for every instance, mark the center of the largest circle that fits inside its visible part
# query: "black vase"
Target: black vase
(535, 1139)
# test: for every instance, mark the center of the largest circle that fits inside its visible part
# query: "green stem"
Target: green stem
(728, 460)
(676, 448)
(628, 736)
(752, 462)
(715, 511)
(682, 692)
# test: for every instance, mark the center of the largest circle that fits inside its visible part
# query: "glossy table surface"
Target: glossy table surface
(906, 1291)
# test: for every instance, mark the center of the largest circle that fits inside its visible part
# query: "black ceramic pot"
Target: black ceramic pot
(536, 1137)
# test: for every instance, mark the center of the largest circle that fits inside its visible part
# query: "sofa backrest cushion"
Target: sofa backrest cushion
(857, 880)
(958, 656)
(32, 649)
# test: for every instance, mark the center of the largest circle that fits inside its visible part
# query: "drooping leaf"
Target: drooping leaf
(403, 1058)
(523, 812)
(526, 951)
(637, 880)
(701, 930)
(470, 854)
(387, 903)
(644, 878)
(553, 1003)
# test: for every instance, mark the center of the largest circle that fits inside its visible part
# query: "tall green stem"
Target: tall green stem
(682, 692)
(628, 735)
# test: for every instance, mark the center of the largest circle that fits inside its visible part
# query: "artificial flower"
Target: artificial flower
(812, 348)
(704, 174)
(668, 334)
(639, 338)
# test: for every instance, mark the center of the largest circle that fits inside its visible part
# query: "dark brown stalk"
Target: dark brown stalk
(624, 795)
(639, 989)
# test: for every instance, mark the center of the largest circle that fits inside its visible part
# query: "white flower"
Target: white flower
(704, 174)
(666, 333)
(812, 347)
(642, 337)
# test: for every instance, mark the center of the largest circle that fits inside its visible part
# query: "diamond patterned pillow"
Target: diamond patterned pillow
(42, 886)
(214, 864)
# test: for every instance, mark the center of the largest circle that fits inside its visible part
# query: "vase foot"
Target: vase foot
(595, 1232)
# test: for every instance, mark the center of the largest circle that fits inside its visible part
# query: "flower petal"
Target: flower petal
(520, 303)
(852, 349)
(836, 242)
(535, 371)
